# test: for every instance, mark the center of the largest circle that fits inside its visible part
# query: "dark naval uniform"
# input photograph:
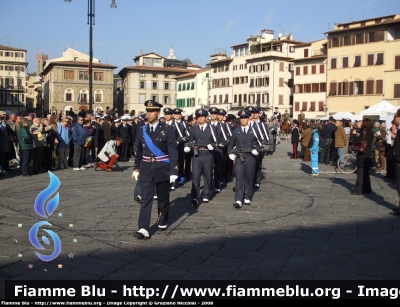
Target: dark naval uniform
(217, 152)
(171, 124)
(157, 160)
(202, 163)
(182, 137)
(244, 171)
(226, 135)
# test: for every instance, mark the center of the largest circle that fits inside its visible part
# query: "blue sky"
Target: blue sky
(195, 28)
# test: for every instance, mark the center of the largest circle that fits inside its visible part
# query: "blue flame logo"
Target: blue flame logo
(41, 208)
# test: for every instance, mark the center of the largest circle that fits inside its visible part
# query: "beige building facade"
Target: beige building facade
(66, 85)
(13, 67)
(151, 77)
(310, 79)
(363, 64)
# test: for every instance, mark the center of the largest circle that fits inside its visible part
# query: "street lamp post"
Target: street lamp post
(91, 23)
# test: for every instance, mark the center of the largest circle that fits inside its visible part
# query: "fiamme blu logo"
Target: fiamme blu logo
(45, 211)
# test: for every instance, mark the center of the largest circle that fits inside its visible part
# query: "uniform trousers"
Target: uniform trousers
(244, 173)
(202, 164)
(147, 190)
(124, 151)
(314, 161)
(188, 164)
(223, 168)
(217, 153)
(258, 174)
(181, 160)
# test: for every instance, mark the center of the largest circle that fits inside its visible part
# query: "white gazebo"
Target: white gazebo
(380, 109)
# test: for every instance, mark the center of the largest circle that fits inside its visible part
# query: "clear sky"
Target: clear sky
(195, 28)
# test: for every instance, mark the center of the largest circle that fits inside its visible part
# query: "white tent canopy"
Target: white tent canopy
(389, 112)
(377, 109)
(345, 115)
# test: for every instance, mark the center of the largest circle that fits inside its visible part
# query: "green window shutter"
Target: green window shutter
(206, 74)
(179, 87)
(192, 85)
(188, 86)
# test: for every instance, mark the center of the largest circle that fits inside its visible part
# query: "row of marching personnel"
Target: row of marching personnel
(212, 147)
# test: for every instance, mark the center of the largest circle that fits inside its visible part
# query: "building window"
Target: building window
(68, 97)
(320, 105)
(8, 54)
(220, 98)
(345, 63)
(226, 98)
(297, 71)
(69, 74)
(291, 65)
(370, 59)
(333, 63)
(166, 86)
(98, 76)
(83, 75)
(322, 69)
(280, 99)
(98, 97)
(370, 87)
(192, 86)
(305, 70)
(313, 69)
(332, 90)
(335, 42)
(357, 60)
(397, 61)
(142, 84)
(359, 39)
(215, 98)
(371, 37)
(358, 87)
(281, 82)
(379, 59)
(396, 93)
(142, 74)
(307, 88)
(142, 98)
(315, 87)
(312, 106)
(379, 87)
(297, 106)
(346, 40)
(154, 85)
(304, 107)
(166, 99)
(281, 66)
(234, 67)
(154, 75)
(291, 49)
(306, 53)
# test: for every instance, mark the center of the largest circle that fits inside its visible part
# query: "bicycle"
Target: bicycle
(350, 162)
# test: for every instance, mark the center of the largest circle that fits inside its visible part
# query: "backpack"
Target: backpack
(311, 141)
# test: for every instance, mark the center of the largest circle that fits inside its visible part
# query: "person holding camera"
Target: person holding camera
(108, 156)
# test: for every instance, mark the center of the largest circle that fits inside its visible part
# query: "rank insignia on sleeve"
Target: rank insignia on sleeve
(176, 167)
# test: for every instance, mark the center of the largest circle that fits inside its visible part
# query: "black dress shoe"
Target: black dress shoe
(195, 202)
(139, 235)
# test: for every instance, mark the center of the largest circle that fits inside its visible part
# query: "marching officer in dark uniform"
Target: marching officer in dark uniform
(125, 134)
(218, 151)
(157, 161)
(226, 135)
(169, 122)
(181, 137)
(262, 131)
(204, 137)
(244, 138)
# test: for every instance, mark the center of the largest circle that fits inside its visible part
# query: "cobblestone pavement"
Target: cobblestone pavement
(297, 227)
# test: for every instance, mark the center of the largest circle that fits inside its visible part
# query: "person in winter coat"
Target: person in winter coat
(295, 138)
(314, 149)
(25, 144)
(340, 142)
(79, 139)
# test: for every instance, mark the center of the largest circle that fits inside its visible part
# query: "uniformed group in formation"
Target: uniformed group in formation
(167, 151)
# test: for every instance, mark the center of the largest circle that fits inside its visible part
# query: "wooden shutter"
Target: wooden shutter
(312, 107)
(306, 53)
(332, 90)
(297, 106)
(370, 59)
(345, 88)
(345, 62)
(397, 62)
(370, 87)
(379, 36)
(379, 59)
(379, 87)
(320, 105)
(396, 93)
(297, 71)
(281, 66)
(357, 60)
(321, 69)
(304, 108)
(280, 99)
(351, 88)
(333, 63)
(340, 88)
(305, 70)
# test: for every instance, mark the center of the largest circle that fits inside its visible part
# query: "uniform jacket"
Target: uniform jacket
(98, 135)
(205, 137)
(262, 130)
(180, 129)
(125, 133)
(106, 131)
(163, 137)
(315, 146)
(239, 140)
(110, 148)
(295, 134)
(218, 128)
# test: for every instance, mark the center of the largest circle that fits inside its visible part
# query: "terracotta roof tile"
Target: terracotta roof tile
(138, 56)
(3, 47)
(192, 73)
(156, 68)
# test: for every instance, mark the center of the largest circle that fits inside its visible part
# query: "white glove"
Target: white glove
(232, 157)
(135, 174)
(209, 146)
(172, 178)
(186, 149)
(254, 152)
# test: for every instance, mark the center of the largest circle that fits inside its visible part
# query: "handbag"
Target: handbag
(362, 146)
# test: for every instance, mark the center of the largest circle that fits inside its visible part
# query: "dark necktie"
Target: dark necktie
(151, 130)
(201, 128)
(244, 131)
